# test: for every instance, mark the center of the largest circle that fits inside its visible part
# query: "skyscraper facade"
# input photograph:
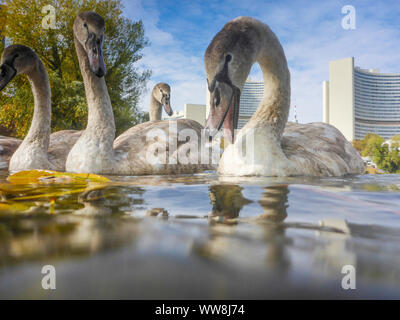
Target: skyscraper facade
(359, 101)
(250, 98)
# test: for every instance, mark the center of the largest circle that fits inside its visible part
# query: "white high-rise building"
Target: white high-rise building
(359, 101)
(250, 98)
(191, 111)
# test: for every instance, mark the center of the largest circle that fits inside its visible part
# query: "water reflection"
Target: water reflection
(227, 201)
(265, 246)
(249, 229)
(95, 225)
(274, 202)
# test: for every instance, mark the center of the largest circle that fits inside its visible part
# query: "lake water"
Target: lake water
(206, 237)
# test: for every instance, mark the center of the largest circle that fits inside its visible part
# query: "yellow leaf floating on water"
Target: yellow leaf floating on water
(13, 207)
(49, 194)
(54, 177)
(44, 186)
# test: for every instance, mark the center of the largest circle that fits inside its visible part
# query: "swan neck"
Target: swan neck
(100, 113)
(39, 131)
(155, 109)
(273, 110)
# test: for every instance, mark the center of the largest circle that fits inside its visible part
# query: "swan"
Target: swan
(8, 145)
(95, 151)
(160, 97)
(315, 149)
(39, 149)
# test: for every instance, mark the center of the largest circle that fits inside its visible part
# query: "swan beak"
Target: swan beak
(95, 55)
(7, 73)
(168, 109)
(232, 117)
(225, 112)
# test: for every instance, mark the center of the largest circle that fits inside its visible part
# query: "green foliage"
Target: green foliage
(123, 45)
(396, 142)
(386, 159)
(359, 145)
(372, 142)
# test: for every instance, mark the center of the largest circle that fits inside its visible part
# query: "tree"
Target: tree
(123, 45)
(396, 142)
(387, 159)
(372, 143)
(359, 145)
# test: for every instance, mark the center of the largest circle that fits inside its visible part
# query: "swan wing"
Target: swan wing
(61, 142)
(133, 147)
(320, 149)
(8, 146)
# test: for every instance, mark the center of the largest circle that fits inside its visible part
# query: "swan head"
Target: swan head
(162, 93)
(16, 59)
(228, 60)
(89, 31)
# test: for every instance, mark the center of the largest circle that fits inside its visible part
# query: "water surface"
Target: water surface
(205, 237)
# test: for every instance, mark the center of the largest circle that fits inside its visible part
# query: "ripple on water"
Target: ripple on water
(201, 236)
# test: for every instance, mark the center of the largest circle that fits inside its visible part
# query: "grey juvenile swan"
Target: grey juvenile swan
(39, 149)
(95, 151)
(315, 149)
(160, 97)
(8, 145)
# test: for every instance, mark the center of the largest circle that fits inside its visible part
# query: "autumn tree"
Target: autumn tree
(30, 23)
(374, 146)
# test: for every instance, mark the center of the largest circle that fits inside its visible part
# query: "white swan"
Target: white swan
(38, 150)
(95, 151)
(315, 149)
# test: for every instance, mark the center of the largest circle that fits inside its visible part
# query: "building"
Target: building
(250, 99)
(359, 101)
(195, 112)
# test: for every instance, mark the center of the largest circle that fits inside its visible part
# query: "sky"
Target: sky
(310, 32)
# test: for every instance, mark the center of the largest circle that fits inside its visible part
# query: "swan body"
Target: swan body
(8, 145)
(264, 147)
(39, 150)
(61, 143)
(96, 151)
(133, 140)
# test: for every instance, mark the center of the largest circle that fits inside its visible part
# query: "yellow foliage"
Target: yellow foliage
(14, 207)
(21, 23)
(51, 177)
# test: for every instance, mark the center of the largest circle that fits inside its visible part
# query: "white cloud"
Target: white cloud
(310, 32)
(168, 60)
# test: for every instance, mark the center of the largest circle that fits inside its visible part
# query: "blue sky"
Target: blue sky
(310, 32)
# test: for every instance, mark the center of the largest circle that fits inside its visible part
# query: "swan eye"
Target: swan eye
(228, 58)
(217, 98)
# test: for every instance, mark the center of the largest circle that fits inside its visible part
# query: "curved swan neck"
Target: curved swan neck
(39, 132)
(155, 109)
(100, 113)
(274, 108)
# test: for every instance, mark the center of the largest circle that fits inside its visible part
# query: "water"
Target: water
(206, 237)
